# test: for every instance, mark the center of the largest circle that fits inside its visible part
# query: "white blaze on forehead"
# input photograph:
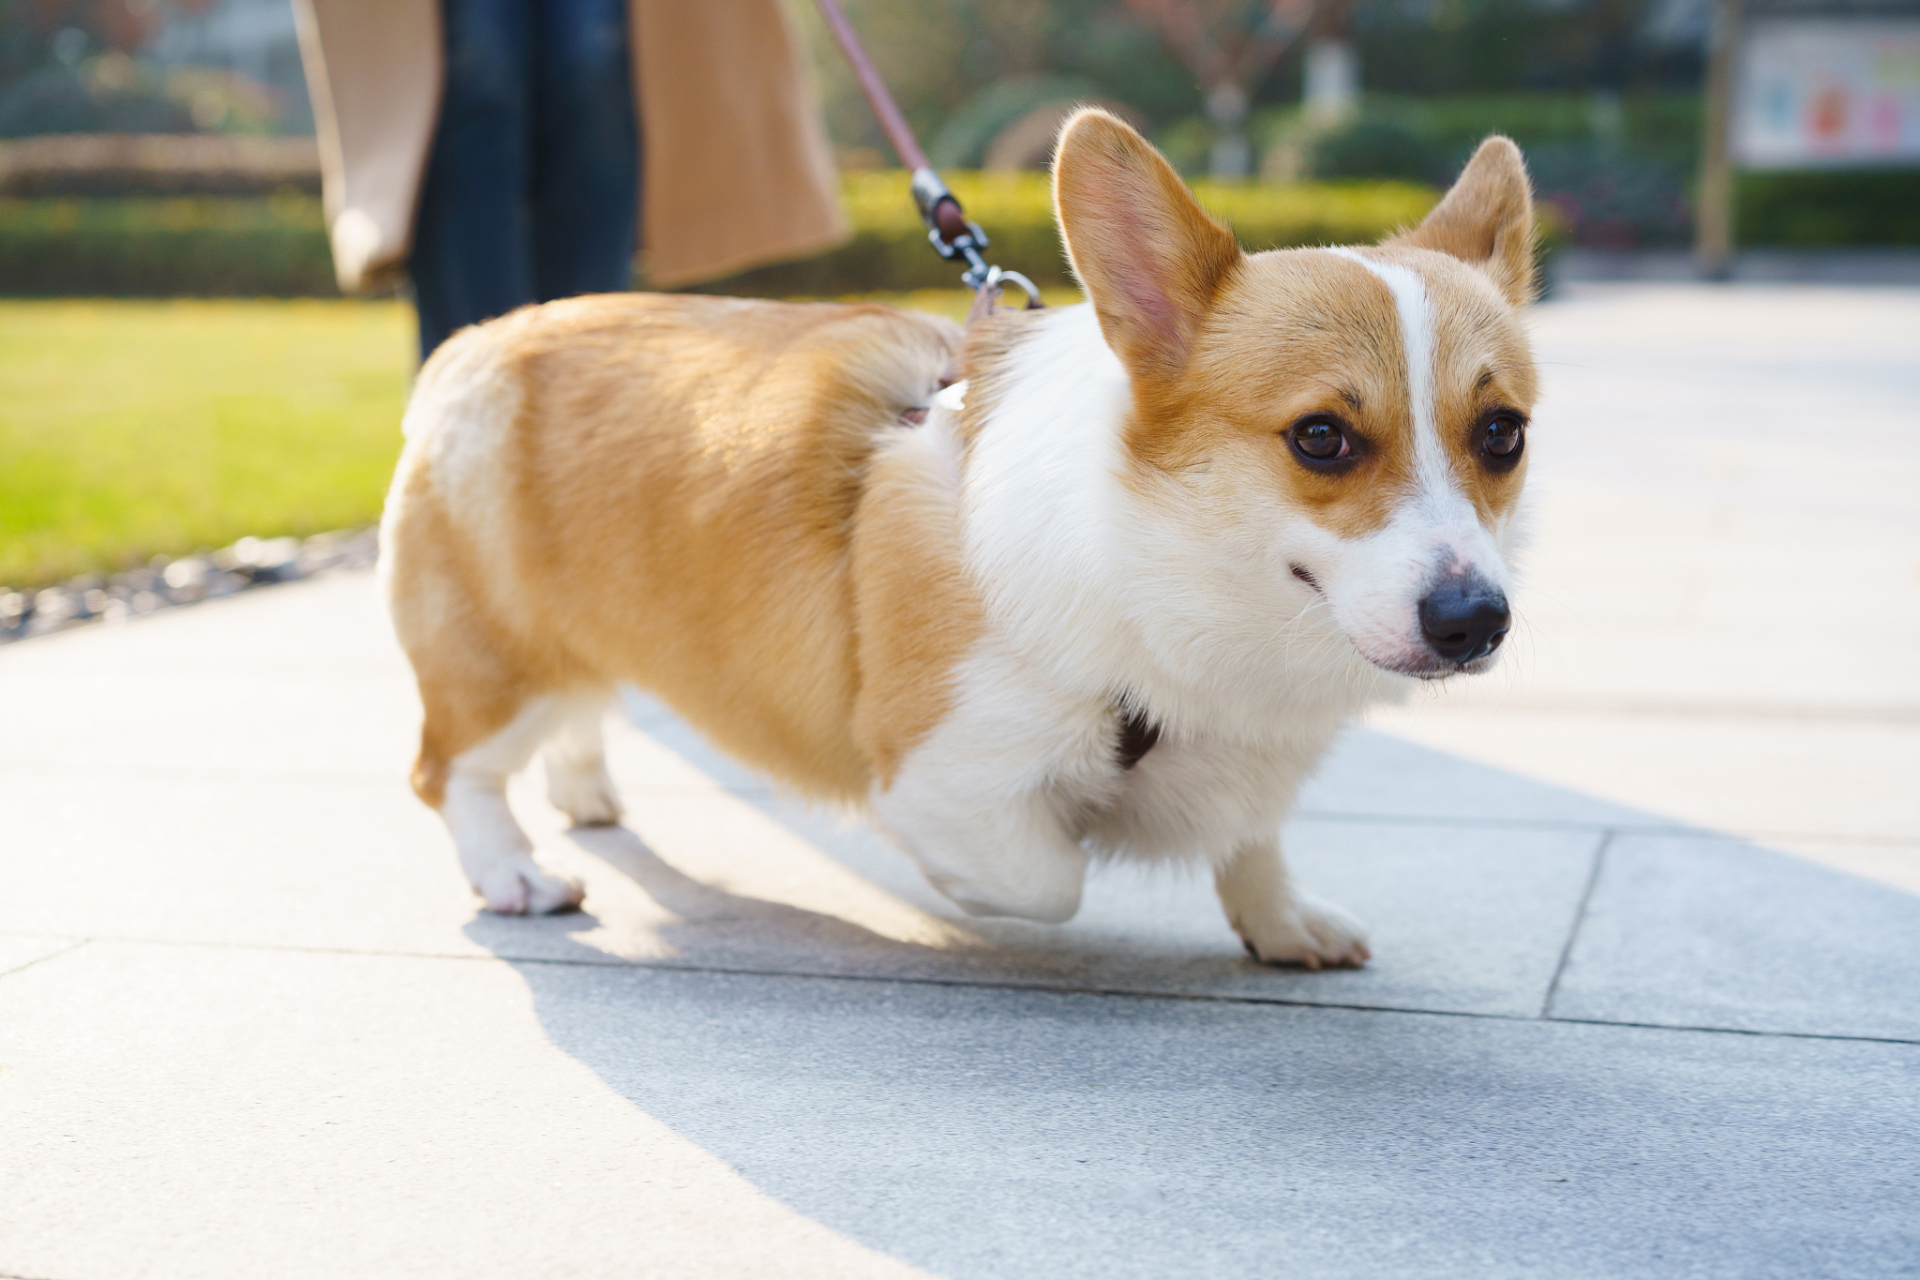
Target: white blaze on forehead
(1416, 339)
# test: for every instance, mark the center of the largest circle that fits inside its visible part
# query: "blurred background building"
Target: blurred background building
(150, 66)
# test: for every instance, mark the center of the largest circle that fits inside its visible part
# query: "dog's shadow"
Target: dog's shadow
(700, 925)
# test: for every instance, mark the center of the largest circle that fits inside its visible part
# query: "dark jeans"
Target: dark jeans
(533, 182)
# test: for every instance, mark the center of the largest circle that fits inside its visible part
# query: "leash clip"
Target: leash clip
(988, 293)
(949, 231)
(997, 278)
(953, 235)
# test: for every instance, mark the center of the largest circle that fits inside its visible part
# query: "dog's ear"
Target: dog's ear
(1149, 257)
(1487, 220)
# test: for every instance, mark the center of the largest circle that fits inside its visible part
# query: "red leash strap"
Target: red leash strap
(891, 121)
(949, 231)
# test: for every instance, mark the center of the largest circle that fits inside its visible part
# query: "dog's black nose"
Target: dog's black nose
(1465, 619)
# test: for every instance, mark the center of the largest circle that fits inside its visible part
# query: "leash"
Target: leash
(948, 229)
(953, 236)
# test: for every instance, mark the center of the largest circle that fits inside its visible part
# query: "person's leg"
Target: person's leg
(586, 148)
(471, 244)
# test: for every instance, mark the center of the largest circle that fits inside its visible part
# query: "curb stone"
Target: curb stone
(167, 582)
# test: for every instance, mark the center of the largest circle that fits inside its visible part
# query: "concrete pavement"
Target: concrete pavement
(1645, 906)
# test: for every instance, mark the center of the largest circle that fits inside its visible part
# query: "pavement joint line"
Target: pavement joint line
(1579, 918)
(977, 984)
(1758, 1032)
(51, 955)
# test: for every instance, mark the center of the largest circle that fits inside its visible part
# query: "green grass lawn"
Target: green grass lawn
(135, 429)
(132, 429)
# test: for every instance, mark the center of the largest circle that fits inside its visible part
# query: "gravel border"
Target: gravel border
(168, 582)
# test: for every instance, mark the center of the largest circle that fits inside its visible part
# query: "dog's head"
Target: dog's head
(1344, 427)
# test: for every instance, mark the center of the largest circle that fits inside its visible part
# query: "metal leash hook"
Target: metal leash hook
(948, 230)
(989, 293)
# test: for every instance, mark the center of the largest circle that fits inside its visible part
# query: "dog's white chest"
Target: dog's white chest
(1192, 795)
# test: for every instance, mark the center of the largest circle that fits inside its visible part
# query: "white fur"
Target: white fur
(1374, 584)
(1105, 588)
(1097, 593)
(1041, 499)
(986, 803)
(1416, 341)
(1277, 919)
(494, 852)
(578, 784)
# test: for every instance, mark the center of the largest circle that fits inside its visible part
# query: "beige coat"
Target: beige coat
(737, 169)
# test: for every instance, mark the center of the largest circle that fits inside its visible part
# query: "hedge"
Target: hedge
(1811, 210)
(276, 247)
(889, 247)
(189, 246)
(215, 247)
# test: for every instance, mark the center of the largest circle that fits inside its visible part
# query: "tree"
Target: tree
(1228, 45)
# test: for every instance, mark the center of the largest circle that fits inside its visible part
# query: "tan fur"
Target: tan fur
(674, 503)
(1482, 363)
(1227, 351)
(918, 611)
(983, 363)
(1294, 335)
(1280, 345)
(1150, 258)
(717, 499)
(1486, 219)
(1482, 359)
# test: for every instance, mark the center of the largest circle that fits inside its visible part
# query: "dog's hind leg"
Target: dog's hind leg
(1279, 922)
(576, 761)
(494, 852)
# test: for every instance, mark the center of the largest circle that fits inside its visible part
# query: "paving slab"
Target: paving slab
(219, 1112)
(180, 1111)
(1470, 877)
(1715, 932)
(1717, 615)
(1469, 919)
(253, 860)
(1464, 920)
(17, 951)
(301, 681)
(1895, 863)
(1776, 777)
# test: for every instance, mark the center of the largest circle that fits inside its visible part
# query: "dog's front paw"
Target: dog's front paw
(1304, 931)
(517, 886)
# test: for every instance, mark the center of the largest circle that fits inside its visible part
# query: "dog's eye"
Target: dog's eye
(1319, 441)
(1506, 435)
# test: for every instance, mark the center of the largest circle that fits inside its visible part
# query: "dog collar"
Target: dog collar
(1138, 734)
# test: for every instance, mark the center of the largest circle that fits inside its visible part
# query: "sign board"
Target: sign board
(1817, 93)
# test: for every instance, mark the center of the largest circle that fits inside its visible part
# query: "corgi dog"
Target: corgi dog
(1111, 595)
